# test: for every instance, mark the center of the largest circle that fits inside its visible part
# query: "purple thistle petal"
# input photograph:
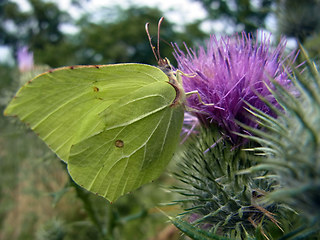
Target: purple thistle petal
(230, 72)
(25, 59)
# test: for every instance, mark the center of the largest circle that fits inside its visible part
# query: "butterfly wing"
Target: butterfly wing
(63, 106)
(141, 133)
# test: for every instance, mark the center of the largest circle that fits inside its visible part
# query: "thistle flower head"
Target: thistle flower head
(229, 73)
(25, 59)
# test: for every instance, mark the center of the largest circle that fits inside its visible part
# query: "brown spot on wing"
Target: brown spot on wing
(119, 144)
(95, 89)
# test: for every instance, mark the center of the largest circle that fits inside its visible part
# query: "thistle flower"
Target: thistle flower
(25, 59)
(229, 73)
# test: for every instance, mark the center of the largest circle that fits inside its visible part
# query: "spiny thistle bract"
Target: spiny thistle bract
(217, 201)
(291, 146)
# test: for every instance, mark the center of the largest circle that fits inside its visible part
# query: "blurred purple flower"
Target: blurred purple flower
(25, 59)
(231, 71)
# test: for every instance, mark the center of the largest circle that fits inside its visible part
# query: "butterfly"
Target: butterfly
(116, 126)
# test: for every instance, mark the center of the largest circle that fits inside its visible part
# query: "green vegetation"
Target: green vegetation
(37, 198)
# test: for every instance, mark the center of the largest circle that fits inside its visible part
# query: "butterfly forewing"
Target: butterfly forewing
(63, 106)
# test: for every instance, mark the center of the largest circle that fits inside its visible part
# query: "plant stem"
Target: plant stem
(85, 198)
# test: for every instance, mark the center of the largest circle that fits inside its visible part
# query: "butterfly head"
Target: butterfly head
(166, 67)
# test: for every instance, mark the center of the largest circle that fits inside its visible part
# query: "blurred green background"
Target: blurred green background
(37, 198)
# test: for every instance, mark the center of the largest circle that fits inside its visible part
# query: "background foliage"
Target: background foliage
(37, 199)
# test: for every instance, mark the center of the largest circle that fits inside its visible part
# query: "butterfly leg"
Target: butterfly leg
(178, 74)
(179, 80)
(191, 109)
(199, 98)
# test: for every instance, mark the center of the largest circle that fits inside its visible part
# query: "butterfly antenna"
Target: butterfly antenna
(152, 47)
(158, 40)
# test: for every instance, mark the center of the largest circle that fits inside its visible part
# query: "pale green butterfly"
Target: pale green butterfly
(116, 126)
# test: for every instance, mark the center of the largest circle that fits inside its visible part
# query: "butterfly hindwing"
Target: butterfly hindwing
(140, 136)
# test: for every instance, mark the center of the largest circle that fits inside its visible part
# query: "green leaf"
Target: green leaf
(194, 232)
